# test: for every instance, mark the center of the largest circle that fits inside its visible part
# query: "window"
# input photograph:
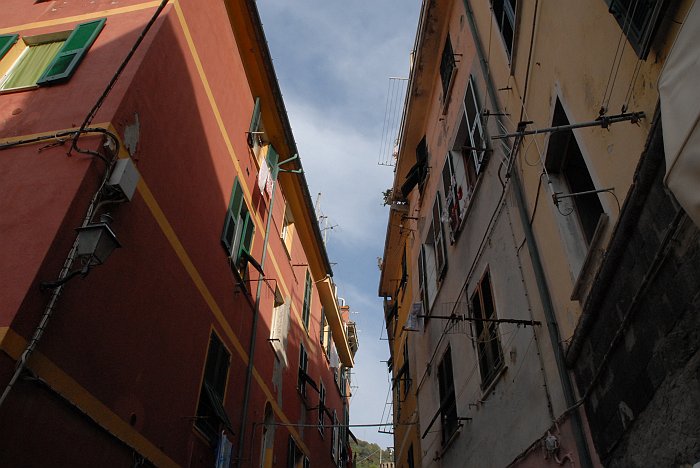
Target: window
(321, 407)
(448, 404)
(639, 20)
(306, 308)
(403, 376)
(287, 233)
(303, 369)
(437, 234)
(487, 339)
(295, 457)
(423, 289)
(237, 235)
(404, 271)
(211, 414)
(504, 11)
(334, 439)
(256, 133)
(409, 458)
(419, 172)
(447, 67)
(579, 216)
(464, 163)
(325, 334)
(280, 326)
(48, 58)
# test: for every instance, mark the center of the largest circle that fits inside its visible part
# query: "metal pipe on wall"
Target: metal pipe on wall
(538, 268)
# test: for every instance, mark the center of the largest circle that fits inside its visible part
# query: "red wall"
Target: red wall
(134, 333)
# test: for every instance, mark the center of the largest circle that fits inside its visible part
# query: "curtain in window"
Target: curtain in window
(32, 64)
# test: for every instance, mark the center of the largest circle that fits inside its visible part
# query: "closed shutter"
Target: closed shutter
(72, 52)
(6, 42)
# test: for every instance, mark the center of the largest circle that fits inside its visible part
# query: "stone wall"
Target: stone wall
(636, 359)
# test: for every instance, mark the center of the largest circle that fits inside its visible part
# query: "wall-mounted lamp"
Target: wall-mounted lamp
(96, 241)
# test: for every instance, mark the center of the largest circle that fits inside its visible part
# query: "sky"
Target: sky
(333, 60)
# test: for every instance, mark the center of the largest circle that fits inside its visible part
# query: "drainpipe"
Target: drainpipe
(542, 287)
(256, 312)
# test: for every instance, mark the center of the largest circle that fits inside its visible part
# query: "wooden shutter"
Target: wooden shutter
(246, 236)
(234, 208)
(307, 300)
(6, 42)
(72, 52)
(272, 160)
(439, 240)
(255, 119)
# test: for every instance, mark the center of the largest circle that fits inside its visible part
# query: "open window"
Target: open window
(419, 172)
(306, 307)
(448, 70)
(488, 340)
(448, 404)
(256, 134)
(639, 20)
(504, 12)
(237, 235)
(580, 214)
(279, 330)
(211, 415)
(287, 233)
(45, 59)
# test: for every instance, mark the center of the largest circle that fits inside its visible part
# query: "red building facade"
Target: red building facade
(215, 330)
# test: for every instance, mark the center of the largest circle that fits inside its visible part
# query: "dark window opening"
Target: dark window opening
(210, 410)
(448, 404)
(303, 377)
(487, 338)
(639, 20)
(564, 157)
(504, 11)
(447, 65)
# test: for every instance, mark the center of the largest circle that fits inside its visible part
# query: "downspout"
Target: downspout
(256, 313)
(538, 269)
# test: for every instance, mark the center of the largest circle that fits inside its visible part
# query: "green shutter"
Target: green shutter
(307, 300)
(72, 52)
(31, 65)
(272, 160)
(234, 208)
(246, 237)
(255, 119)
(6, 42)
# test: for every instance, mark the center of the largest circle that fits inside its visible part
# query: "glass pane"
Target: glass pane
(31, 65)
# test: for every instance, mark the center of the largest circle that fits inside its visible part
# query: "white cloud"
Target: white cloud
(341, 164)
(333, 61)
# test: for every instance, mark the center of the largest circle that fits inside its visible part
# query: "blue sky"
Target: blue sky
(333, 60)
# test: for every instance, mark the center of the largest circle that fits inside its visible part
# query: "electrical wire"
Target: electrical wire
(115, 77)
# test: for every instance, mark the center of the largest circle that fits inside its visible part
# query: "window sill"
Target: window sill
(594, 257)
(447, 445)
(486, 391)
(19, 89)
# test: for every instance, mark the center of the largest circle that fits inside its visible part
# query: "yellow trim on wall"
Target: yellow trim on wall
(79, 18)
(13, 344)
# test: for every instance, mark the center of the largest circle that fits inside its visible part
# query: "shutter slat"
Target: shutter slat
(6, 43)
(72, 52)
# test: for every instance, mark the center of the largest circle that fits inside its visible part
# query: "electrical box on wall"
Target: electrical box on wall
(125, 177)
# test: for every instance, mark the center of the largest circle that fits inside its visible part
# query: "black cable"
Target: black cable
(114, 79)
